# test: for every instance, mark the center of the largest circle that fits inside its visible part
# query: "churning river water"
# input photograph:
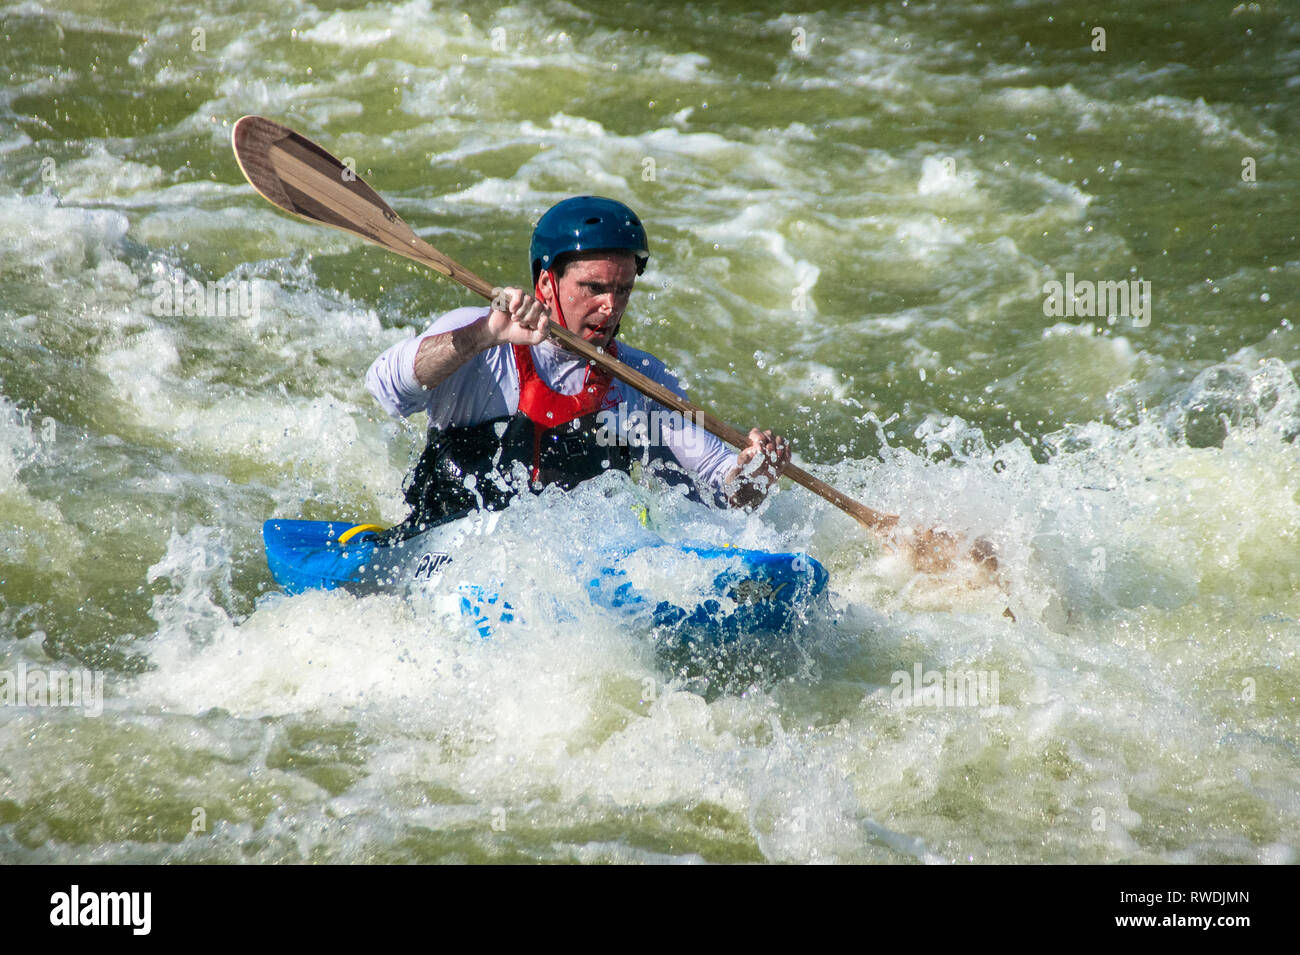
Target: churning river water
(1026, 270)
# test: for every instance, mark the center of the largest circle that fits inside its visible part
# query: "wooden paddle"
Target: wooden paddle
(295, 174)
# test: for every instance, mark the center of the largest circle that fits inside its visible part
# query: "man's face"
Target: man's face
(593, 292)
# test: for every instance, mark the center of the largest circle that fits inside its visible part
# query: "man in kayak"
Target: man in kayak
(508, 407)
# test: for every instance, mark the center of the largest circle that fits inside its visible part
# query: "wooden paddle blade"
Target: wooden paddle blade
(300, 177)
(296, 175)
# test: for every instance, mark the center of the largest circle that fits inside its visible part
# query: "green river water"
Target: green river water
(855, 214)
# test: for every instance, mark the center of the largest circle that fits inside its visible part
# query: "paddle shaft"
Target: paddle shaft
(420, 251)
(296, 175)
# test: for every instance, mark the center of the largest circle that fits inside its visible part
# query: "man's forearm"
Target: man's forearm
(440, 355)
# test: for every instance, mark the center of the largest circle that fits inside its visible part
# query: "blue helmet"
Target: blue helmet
(586, 224)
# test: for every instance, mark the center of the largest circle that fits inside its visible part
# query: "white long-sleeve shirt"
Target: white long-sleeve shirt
(487, 387)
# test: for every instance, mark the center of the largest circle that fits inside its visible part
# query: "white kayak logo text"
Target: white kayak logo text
(103, 908)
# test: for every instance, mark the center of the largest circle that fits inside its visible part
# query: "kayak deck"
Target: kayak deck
(747, 592)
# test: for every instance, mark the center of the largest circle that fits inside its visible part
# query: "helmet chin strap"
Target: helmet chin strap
(555, 289)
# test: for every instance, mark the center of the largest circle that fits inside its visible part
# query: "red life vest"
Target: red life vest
(546, 408)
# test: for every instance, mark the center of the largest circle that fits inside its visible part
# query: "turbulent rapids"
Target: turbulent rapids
(858, 243)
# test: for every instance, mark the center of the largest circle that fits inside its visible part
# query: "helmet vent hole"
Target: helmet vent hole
(593, 221)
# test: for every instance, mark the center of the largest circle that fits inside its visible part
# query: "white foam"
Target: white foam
(101, 174)
(922, 236)
(33, 531)
(685, 67)
(941, 178)
(1209, 121)
(57, 241)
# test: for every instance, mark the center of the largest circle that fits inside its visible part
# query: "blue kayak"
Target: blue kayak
(747, 592)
